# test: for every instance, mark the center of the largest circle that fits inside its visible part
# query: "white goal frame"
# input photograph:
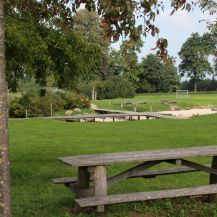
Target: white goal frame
(182, 94)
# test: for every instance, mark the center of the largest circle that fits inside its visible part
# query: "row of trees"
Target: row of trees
(197, 55)
(35, 50)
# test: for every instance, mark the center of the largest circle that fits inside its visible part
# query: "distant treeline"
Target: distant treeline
(202, 85)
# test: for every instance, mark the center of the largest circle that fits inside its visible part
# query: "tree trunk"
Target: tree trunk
(5, 199)
(93, 93)
(195, 85)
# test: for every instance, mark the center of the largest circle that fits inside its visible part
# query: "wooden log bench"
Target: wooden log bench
(92, 168)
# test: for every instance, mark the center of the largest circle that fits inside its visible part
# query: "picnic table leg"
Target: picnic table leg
(213, 179)
(83, 181)
(100, 182)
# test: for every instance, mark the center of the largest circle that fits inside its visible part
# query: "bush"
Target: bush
(85, 89)
(41, 106)
(115, 87)
(29, 87)
(16, 109)
(72, 101)
(145, 87)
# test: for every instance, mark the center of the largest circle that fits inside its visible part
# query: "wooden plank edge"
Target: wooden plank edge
(144, 196)
(66, 180)
(169, 171)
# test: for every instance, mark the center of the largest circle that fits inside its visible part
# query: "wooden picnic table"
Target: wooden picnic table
(92, 168)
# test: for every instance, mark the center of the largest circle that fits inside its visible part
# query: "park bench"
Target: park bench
(92, 168)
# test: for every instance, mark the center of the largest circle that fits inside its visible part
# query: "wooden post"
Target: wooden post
(213, 179)
(100, 181)
(51, 110)
(26, 113)
(93, 94)
(83, 181)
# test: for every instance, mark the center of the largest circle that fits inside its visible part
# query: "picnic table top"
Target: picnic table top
(147, 155)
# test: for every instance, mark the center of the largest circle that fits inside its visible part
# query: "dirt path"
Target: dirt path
(93, 106)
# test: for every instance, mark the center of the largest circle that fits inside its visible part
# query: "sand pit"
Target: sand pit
(190, 112)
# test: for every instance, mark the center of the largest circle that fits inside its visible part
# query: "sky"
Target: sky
(176, 29)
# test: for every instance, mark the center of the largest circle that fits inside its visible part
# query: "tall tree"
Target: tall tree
(5, 200)
(129, 50)
(39, 50)
(155, 76)
(115, 67)
(88, 25)
(194, 58)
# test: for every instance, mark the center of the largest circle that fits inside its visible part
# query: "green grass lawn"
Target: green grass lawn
(35, 145)
(153, 100)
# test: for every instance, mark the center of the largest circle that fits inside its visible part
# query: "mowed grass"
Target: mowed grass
(35, 145)
(195, 100)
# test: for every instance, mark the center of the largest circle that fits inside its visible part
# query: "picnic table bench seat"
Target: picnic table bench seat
(143, 174)
(92, 168)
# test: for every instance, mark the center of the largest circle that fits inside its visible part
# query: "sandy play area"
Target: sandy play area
(190, 112)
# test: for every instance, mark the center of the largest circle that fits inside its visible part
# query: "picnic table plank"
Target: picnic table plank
(149, 155)
(65, 180)
(140, 174)
(143, 196)
(213, 179)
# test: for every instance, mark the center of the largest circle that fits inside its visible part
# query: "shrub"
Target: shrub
(115, 87)
(85, 89)
(29, 87)
(145, 87)
(16, 109)
(41, 106)
(75, 101)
